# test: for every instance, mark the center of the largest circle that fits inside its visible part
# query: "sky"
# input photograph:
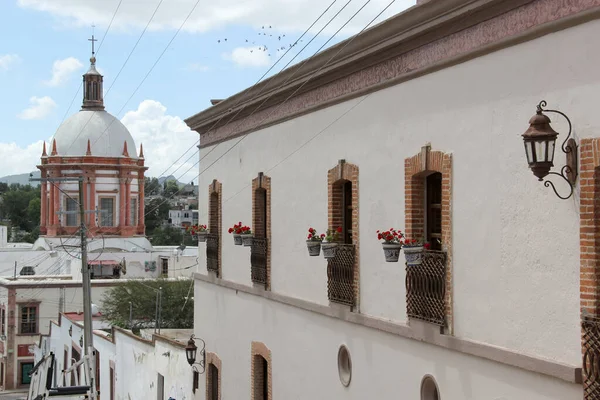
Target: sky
(162, 62)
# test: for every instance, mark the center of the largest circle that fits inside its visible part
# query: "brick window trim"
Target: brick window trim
(212, 358)
(344, 171)
(263, 182)
(416, 168)
(260, 349)
(36, 305)
(216, 188)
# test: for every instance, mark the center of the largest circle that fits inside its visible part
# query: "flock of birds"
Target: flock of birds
(278, 40)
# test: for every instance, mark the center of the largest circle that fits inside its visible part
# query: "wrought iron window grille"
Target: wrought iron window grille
(426, 288)
(591, 357)
(340, 275)
(212, 252)
(258, 260)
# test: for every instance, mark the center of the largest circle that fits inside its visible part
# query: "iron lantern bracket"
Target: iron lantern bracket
(202, 353)
(569, 171)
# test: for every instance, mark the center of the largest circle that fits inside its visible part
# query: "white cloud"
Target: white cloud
(40, 108)
(248, 57)
(165, 138)
(62, 70)
(285, 16)
(18, 160)
(8, 60)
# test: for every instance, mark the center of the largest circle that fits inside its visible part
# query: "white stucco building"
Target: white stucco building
(415, 125)
(130, 366)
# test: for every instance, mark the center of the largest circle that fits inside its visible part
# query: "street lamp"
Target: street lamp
(539, 140)
(191, 351)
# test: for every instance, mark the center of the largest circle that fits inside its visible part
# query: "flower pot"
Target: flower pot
(237, 239)
(247, 240)
(391, 251)
(413, 255)
(329, 250)
(314, 247)
(202, 236)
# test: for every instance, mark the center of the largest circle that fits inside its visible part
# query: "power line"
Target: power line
(120, 70)
(304, 83)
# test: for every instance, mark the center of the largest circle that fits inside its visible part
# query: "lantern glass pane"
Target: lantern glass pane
(540, 150)
(551, 145)
(528, 146)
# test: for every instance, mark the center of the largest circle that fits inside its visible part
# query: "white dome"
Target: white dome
(106, 134)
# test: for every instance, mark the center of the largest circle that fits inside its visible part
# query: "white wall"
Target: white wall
(304, 348)
(137, 364)
(515, 244)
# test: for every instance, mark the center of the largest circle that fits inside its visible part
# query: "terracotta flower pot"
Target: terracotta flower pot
(237, 239)
(247, 239)
(329, 249)
(314, 247)
(391, 251)
(413, 255)
(202, 236)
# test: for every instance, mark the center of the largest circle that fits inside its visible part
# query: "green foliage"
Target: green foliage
(157, 211)
(152, 187)
(21, 205)
(171, 188)
(171, 236)
(177, 313)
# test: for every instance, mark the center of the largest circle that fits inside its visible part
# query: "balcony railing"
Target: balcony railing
(258, 260)
(340, 275)
(426, 288)
(591, 358)
(212, 252)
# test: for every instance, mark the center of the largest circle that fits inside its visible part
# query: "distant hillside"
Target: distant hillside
(22, 179)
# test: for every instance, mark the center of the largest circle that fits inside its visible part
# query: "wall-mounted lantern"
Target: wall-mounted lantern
(191, 350)
(540, 141)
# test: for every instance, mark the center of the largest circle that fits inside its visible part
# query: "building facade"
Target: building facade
(128, 366)
(416, 125)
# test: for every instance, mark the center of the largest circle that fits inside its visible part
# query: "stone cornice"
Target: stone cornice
(420, 40)
(420, 332)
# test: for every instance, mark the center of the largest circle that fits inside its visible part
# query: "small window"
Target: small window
(133, 220)
(213, 382)
(196, 381)
(344, 366)
(2, 321)
(164, 267)
(28, 320)
(434, 210)
(213, 216)
(94, 91)
(27, 270)
(112, 382)
(107, 211)
(72, 216)
(429, 389)
(261, 378)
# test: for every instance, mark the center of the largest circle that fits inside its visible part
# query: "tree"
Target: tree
(152, 186)
(171, 188)
(157, 211)
(16, 206)
(177, 304)
(166, 236)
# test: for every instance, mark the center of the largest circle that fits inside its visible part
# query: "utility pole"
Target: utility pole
(88, 337)
(159, 308)
(15, 277)
(130, 315)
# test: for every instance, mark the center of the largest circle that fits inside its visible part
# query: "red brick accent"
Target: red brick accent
(215, 215)
(589, 231)
(212, 358)
(260, 218)
(416, 168)
(336, 177)
(260, 353)
(11, 329)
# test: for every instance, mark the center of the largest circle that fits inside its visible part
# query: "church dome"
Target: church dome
(107, 135)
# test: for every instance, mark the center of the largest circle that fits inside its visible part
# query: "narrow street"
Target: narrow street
(13, 396)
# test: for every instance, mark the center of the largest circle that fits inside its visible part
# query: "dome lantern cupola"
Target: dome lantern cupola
(93, 98)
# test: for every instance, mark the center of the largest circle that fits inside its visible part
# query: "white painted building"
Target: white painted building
(130, 367)
(183, 218)
(436, 97)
